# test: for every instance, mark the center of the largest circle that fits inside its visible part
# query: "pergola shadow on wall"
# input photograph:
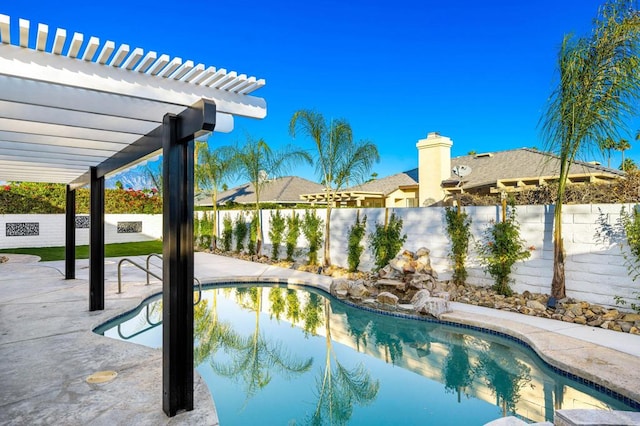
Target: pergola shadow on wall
(73, 111)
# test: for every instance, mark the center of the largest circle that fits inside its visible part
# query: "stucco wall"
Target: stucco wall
(51, 230)
(594, 272)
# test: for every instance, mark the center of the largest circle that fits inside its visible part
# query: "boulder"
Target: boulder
(433, 306)
(611, 315)
(341, 294)
(422, 251)
(402, 265)
(631, 318)
(419, 297)
(392, 284)
(390, 273)
(359, 290)
(534, 304)
(339, 285)
(387, 298)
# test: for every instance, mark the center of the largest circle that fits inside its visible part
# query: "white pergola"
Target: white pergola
(74, 110)
(70, 103)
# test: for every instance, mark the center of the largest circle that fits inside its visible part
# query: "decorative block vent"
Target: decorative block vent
(82, 222)
(129, 227)
(22, 229)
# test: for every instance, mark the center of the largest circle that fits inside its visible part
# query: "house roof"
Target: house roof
(387, 185)
(281, 190)
(523, 163)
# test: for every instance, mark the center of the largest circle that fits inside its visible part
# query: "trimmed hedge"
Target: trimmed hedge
(50, 198)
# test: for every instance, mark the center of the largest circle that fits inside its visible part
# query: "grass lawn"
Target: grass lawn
(82, 252)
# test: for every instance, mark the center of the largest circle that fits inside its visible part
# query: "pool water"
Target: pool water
(288, 356)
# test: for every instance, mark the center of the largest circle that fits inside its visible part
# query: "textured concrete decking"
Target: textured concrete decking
(47, 348)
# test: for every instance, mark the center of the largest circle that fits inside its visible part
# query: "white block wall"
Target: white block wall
(594, 272)
(52, 230)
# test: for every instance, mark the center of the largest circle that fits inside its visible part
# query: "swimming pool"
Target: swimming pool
(288, 355)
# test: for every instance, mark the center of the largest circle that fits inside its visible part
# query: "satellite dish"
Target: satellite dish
(461, 171)
(262, 176)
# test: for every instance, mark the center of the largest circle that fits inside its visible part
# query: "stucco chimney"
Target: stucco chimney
(434, 166)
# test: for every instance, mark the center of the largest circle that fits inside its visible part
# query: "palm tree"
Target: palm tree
(212, 168)
(599, 87)
(607, 145)
(628, 165)
(339, 160)
(622, 146)
(255, 161)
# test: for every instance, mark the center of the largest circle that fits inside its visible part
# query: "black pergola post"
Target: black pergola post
(70, 235)
(177, 289)
(96, 243)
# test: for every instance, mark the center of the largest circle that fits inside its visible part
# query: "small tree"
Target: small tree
(459, 230)
(355, 248)
(386, 241)
(276, 232)
(227, 232)
(293, 232)
(240, 230)
(253, 234)
(500, 248)
(311, 228)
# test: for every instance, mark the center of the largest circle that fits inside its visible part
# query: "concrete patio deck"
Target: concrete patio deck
(48, 350)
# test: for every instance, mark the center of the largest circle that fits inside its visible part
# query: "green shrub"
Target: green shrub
(354, 247)
(312, 230)
(293, 232)
(386, 241)
(227, 232)
(501, 247)
(240, 231)
(50, 198)
(458, 225)
(276, 233)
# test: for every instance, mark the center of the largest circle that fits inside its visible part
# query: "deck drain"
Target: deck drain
(102, 377)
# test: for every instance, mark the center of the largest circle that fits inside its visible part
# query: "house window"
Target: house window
(412, 202)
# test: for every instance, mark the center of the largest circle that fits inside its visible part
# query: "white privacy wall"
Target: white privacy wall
(51, 229)
(594, 272)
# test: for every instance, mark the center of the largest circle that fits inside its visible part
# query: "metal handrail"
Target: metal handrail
(126, 259)
(136, 265)
(149, 266)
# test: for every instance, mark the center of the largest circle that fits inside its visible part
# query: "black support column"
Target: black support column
(96, 243)
(177, 290)
(70, 235)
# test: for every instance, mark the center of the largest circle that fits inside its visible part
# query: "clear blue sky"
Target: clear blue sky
(478, 72)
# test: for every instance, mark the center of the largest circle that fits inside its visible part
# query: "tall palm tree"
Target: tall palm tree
(212, 169)
(339, 160)
(255, 161)
(628, 165)
(598, 89)
(607, 145)
(622, 146)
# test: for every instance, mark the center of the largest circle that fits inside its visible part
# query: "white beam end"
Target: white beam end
(5, 24)
(24, 32)
(41, 39)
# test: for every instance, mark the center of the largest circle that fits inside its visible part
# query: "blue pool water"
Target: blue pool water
(290, 356)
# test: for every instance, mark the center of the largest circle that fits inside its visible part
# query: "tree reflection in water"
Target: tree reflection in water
(504, 374)
(458, 372)
(338, 389)
(255, 358)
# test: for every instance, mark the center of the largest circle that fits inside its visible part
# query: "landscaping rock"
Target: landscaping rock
(631, 318)
(387, 298)
(392, 284)
(433, 306)
(534, 304)
(339, 285)
(611, 315)
(359, 290)
(341, 294)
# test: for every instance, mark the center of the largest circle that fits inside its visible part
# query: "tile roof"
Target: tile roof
(281, 190)
(518, 163)
(388, 184)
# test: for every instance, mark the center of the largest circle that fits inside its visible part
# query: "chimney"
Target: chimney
(434, 166)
